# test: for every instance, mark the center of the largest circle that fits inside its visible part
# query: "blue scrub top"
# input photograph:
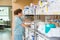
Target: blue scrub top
(19, 30)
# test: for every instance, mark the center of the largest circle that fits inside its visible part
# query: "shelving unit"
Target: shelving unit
(35, 28)
(41, 5)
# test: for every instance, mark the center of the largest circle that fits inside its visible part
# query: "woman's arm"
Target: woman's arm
(25, 25)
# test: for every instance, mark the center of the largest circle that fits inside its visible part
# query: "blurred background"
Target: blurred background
(42, 15)
(5, 19)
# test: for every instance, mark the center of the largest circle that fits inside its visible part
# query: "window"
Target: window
(4, 13)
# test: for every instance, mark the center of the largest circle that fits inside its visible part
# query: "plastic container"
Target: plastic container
(33, 37)
(48, 27)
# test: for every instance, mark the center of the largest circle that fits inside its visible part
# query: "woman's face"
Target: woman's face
(20, 14)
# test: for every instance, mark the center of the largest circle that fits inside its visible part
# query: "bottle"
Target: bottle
(32, 37)
(40, 3)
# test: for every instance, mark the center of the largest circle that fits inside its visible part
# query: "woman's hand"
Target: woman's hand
(26, 25)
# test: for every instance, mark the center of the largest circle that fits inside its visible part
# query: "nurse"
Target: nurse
(19, 25)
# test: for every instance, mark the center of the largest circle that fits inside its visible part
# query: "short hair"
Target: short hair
(17, 11)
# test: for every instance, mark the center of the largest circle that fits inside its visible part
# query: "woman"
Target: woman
(19, 25)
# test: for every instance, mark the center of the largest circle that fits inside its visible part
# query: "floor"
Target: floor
(5, 34)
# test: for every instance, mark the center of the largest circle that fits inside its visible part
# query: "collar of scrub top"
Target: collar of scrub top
(19, 18)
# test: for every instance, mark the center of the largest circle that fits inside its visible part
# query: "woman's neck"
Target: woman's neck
(18, 16)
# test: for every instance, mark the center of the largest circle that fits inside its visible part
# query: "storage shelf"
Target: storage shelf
(28, 14)
(48, 13)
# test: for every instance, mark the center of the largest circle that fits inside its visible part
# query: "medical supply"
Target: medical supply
(33, 37)
(54, 32)
(40, 3)
(48, 27)
(29, 9)
(41, 27)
